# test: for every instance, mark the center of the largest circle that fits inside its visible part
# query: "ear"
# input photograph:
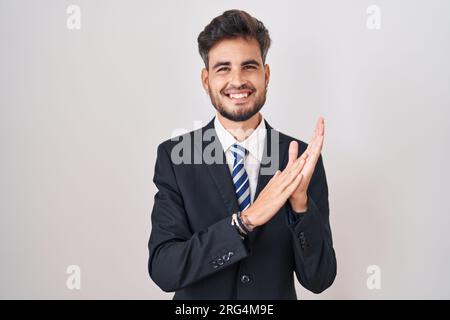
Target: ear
(205, 79)
(267, 74)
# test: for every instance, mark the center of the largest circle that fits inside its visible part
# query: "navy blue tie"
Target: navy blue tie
(240, 177)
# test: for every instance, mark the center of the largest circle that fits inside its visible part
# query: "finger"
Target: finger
(319, 130)
(315, 147)
(277, 173)
(322, 126)
(292, 173)
(311, 153)
(274, 178)
(297, 169)
(305, 153)
(319, 127)
(293, 186)
(293, 152)
(310, 164)
(293, 159)
(313, 139)
(271, 182)
(292, 168)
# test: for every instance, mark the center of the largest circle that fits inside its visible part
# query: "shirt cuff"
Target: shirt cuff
(293, 216)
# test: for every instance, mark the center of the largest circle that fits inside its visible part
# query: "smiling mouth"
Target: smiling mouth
(239, 98)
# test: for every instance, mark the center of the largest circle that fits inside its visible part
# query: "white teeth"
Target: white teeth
(238, 95)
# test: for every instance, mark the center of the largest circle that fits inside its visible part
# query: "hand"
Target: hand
(299, 197)
(275, 194)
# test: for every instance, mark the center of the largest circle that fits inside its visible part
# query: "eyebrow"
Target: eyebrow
(227, 63)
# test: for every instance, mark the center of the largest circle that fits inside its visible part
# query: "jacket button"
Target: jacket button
(245, 278)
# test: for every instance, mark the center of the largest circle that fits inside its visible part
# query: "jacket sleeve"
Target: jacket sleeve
(179, 257)
(315, 259)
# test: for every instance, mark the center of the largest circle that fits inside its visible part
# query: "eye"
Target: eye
(222, 69)
(250, 67)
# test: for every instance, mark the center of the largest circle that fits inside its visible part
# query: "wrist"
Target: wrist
(299, 203)
(250, 219)
(249, 223)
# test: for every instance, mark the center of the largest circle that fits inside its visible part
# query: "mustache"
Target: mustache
(243, 87)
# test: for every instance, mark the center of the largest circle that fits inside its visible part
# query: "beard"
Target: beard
(243, 112)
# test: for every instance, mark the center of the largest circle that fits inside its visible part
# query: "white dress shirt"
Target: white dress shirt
(254, 144)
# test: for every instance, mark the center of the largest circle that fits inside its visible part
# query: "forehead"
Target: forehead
(235, 50)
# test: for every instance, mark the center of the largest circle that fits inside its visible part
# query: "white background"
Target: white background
(82, 112)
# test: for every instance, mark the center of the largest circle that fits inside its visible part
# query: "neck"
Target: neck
(240, 130)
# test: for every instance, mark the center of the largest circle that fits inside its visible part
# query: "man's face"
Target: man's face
(236, 79)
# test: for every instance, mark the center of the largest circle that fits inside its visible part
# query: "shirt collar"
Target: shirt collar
(254, 143)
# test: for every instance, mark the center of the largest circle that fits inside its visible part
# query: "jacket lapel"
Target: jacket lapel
(220, 171)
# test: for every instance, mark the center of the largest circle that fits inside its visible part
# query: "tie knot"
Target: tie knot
(238, 151)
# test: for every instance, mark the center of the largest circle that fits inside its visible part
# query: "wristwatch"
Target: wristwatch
(242, 224)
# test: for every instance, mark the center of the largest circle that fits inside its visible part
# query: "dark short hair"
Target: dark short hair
(233, 24)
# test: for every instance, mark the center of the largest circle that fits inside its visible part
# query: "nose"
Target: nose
(237, 78)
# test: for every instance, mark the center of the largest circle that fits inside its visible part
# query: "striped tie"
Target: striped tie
(240, 177)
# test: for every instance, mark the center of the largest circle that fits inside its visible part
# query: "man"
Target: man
(239, 227)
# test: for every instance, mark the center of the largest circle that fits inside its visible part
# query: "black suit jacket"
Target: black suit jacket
(196, 252)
